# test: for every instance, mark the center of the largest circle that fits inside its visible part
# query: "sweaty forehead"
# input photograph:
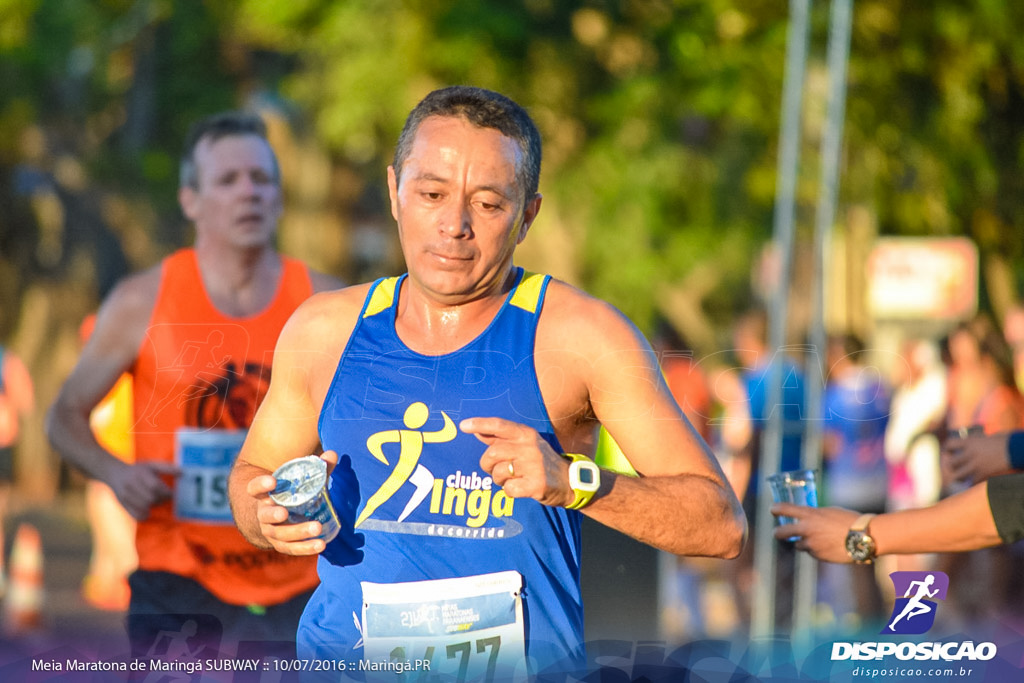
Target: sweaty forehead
(448, 144)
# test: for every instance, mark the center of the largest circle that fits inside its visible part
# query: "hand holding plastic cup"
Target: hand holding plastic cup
(798, 487)
(302, 490)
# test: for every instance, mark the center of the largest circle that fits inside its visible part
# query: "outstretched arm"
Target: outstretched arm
(961, 522)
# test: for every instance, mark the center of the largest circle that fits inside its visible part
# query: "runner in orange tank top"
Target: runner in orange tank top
(197, 334)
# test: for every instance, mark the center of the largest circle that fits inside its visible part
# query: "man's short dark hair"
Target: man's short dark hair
(486, 109)
(214, 128)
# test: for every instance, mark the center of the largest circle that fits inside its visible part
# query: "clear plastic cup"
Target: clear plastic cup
(799, 487)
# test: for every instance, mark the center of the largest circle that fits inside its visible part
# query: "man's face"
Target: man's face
(460, 213)
(238, 198)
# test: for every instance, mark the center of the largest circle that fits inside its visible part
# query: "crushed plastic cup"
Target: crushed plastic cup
(302, 490)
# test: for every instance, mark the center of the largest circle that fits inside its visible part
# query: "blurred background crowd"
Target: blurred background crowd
(660, 121)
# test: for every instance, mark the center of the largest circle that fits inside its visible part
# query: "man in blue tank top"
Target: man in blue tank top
(458, 406)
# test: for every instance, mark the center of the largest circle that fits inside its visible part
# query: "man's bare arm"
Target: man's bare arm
(681, 503)
(286, 424)
(111, 350)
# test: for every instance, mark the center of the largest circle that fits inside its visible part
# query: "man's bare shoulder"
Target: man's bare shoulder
(136, 290)
(572, 317)
(127, 310)
(344, 301)
(327, 318)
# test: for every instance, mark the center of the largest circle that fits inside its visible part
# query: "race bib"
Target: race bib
(205, 457)
(465, 629)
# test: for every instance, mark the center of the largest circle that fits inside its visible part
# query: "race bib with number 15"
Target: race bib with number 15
(205, 457)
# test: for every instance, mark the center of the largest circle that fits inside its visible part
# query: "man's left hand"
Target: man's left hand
(520, 461)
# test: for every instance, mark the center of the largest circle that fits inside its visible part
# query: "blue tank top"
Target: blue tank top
(414, 503)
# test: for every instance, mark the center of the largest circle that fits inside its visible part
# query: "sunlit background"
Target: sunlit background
(660, 121)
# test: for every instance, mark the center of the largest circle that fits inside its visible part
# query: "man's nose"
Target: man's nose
(455, 219)
(251, 187)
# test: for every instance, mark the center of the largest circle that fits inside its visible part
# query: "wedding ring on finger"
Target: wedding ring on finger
(511, 469)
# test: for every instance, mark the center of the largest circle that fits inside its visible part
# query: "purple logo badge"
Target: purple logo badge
(916, 593)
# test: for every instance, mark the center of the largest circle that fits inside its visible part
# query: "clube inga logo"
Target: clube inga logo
(917, 601)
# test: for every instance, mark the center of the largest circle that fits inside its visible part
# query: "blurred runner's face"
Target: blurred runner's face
(238, 199)
(459, 210)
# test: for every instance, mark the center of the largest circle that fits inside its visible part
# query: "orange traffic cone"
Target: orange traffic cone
(23, 606)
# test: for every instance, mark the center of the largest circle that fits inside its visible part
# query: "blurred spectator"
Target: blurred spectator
(17, 401)
(113, 529)
(750, 345)
(919, 406)
(982, 393)
(1013, 332)
(685, 378)
(856, 413)
(982, 388)
(688, 582)
(912, 444)
(731, 426)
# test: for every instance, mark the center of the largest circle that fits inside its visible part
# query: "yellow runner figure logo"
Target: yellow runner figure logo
(407, 468)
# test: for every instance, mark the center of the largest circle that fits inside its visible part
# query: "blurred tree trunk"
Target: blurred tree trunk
(46, 338)
(140, 105)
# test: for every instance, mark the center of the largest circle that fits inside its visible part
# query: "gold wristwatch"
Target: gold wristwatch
(859, 543)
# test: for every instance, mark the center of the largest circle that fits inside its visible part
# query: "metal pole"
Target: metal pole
(838, 57)
(765, 549)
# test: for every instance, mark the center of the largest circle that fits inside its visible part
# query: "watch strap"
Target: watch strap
(581, 498)
(861, 523)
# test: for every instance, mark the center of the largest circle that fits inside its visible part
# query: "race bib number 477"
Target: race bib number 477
(468, 629)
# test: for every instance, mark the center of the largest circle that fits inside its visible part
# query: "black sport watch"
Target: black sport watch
(858, 543)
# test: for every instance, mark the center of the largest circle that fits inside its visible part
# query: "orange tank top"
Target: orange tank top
(198, 379)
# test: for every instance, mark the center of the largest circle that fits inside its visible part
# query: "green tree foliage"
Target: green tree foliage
(660, 117)
(935, 132)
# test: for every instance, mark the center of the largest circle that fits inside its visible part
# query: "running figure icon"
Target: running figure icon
(915, 606)
(407, 468)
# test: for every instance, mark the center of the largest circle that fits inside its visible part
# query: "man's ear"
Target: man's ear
(529, 215)
(188, 198)
(393, 191)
